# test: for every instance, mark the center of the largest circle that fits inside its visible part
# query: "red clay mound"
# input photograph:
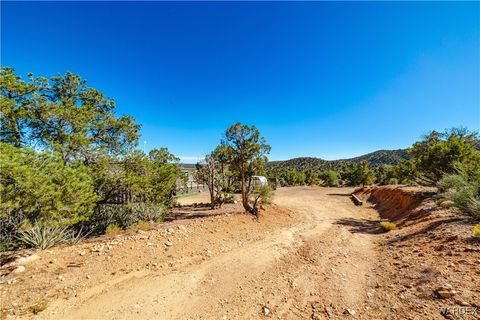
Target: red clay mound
(396, 203)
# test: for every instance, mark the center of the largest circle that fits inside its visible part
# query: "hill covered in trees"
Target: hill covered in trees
(376, 158)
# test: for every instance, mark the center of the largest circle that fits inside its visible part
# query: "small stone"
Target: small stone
(19, 269)
(446, 286)
(351, 312)
(168, 244)
(463, 303)
(25, 260)
(61, 278)
(265, 311)
(329, 311)
(445, 294)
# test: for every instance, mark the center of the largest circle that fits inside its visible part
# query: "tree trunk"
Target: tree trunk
(211, 187)
(212, 200)
(245, 203)
(18, 137)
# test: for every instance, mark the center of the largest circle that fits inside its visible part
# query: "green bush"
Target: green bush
(387, 226)
(358, 174)
(463, 191)
(263, 195)
(8, 243)
(40, 187)
(330, 178)
(291, 177)
(224, 197)
(67, 160)
(107, 214)
(311, 177)
(446, 152)
(393, 181)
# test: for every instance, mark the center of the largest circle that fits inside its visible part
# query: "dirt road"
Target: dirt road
(297, 265)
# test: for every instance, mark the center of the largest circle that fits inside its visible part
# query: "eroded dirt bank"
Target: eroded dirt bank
(429, 267)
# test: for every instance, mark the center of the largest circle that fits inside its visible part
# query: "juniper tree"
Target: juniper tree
(247, 155)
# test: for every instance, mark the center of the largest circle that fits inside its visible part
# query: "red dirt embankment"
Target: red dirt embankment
(396, 203)
(430, 266)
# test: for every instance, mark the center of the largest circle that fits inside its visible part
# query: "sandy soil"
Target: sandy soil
(311, 255)
(295, 263)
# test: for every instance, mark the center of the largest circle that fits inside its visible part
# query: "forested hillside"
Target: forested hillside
(380, 157)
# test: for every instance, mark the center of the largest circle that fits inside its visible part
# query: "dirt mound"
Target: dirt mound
(396, 203)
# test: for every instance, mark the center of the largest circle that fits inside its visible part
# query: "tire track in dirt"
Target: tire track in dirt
(312, 267)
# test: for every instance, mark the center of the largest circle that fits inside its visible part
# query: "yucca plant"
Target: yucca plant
(75, 237)
(147, 212)
(44, 237)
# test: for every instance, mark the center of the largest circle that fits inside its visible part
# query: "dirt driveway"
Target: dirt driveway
(298, 264)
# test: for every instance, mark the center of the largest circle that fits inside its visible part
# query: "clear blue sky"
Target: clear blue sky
(324, 79)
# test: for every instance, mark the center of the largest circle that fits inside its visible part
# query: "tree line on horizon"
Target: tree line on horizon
(376, 158)
(449, 160)
(455, 150)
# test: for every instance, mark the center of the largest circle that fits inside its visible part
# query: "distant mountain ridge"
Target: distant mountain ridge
(376, 158)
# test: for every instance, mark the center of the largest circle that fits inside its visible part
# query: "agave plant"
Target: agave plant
(44, 237)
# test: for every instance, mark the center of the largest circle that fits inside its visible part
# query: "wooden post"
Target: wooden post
(356, 200)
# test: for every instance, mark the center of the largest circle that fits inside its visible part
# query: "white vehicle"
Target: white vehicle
(259, 181)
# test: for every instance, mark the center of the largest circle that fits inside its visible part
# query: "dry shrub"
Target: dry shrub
(113, 229)
(38, 307)
(476, 231)
(143, 225)
(387, 226)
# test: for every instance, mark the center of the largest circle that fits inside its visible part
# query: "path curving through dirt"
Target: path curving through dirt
(311, 265)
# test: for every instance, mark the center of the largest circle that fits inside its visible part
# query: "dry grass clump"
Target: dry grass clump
(38, 307)
(476, 231)
(113, 229)
(387, 226)
(143, 225)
